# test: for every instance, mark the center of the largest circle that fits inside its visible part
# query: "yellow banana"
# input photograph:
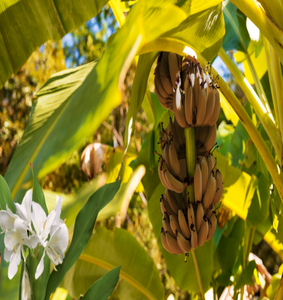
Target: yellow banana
(209, 211)
(160, 85)
(204, 173)
(162, 63)
(219, 187)
(183, 243)
(210, 162)
(165, 155)
(197, 183)
(172, 202)
(174, 224)
(161, 168)
(201, 109)
(164, 242)
(212, 226)
(172, 243)
(173, 183)
(166, 224)
(199, 216)
(189, 99)
(165, 207)
(216, 111)
(201, 135)
(210, 140)
(203, 232)
(173, 160)
(184, 224)
(210, 106)
(209, 192)
(191, 215)
(194, 239)
(178, 106)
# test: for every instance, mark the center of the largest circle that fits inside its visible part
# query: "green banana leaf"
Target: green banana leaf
(73, 103)
(27, 24)
(106, 250)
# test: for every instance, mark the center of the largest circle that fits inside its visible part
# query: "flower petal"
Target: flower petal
(23, 210)
(32, 241)
(21, 227)
(14, 263)
(7, 220)
(11, 239)
(38, 217)
(60, 238)
(40, 266)
(7, 254)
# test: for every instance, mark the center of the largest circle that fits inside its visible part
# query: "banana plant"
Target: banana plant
(73, 103)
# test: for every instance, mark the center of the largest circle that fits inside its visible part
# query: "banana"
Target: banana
(210, 106)
(198, 87)
(165, 155)
(203, 232)
(199, 216)
(219, 188)
(173, 160)
(216, 111)
(201, 109)
(167, 86)
(172, 202)
(210, 162)
(166, 224)
(174, 224)
(172, 243)
(197, 183)
(160, 86)
(165, 207)
(201, 135)
(183, 243)
(183, 224)
(194, 239)
(178, 107)
(173, 183)
(174, 63)
(164, 242)
(183, 169)
(165, 102)
(179, 198)
(210, 191)
(162, 63)
(209, 211)
(204, 173)
(212, 226)
(171, 130)
(161, 169)
(189, 98)
(180, 133)
(209, 141)
(191, 215)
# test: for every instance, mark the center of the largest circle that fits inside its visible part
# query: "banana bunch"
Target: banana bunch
(189, 225)
(168, 65)
(187, 90)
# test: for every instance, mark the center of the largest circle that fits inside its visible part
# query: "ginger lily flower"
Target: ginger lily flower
(23, 210)
(7, 219)
(54, 248)
(14, 241)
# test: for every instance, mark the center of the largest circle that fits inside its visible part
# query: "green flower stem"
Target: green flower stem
(271, 77)
(278, 86)
(268, 27)
(198, 273)
(258, 85)
(177, 46)
(265, 117)
(191, 158)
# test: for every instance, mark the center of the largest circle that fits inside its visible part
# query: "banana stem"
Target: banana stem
(271, 77)
(191, 158)
(268, 27)
(198, 274)
(278, 86)
(263, 114)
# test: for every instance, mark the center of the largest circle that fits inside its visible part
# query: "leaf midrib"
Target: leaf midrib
(123, 274)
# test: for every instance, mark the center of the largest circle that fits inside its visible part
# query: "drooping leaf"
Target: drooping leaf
(236, 34)
(106, 250)
(26, 25)
(246, 276)
(5, 195)
(224, 135)
(104, 286)
(73, 103)
(82, 232)
(228, 110)
(37, 193)
(183, 273)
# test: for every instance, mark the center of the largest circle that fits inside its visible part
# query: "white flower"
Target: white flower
(23, 210)
(54, 248)
(26, 287)
(7, 219)
(14, 241)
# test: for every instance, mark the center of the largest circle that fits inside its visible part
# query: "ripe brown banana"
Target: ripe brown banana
(178, 106)
(183, 169)
(164, 242)
(210, 191)
(191, 215)
(201, 135)
(210, 163)
(179, 198)
(180, 133)
(203, 232)
(217, 107)
(167, 86)
(174, 224)
(184, 224)
(189, 100)
(172, 202)
(172, 243)
(161, 168)
(162, 63)
(199, 216)
(219, 187)
(201, 109)
(209, 211)
(210, 106)
(171, 130)
(212, 226)
(173, 160)
(183, 243)
(174, 63)
(166, 224)
(209, 141)
(160, 85)
(197, 183)
(165, 102)
(165, 207)
(173, 183)
(204, 173)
